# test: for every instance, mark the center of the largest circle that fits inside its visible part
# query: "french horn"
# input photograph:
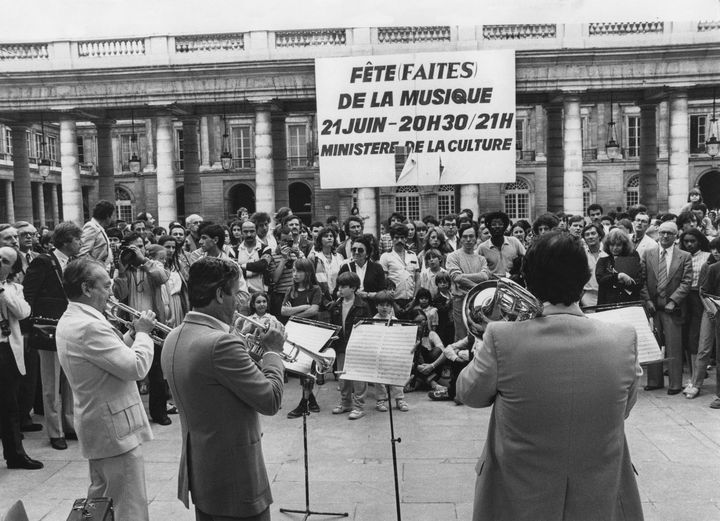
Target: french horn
(498, 300)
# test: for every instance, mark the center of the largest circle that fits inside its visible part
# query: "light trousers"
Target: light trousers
(57, 396)
(121, 478)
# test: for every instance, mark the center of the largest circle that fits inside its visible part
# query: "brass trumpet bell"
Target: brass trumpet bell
(496, 300)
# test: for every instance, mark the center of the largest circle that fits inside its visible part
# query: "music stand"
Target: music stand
(323, 330)
(381, 352)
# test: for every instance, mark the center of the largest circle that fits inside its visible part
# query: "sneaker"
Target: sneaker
(341, 409)
(439, 395)
(298, 411)
(356, 414)
(691, 392)
(312, 404)
(381, 405)
(402, 405)
(715, 404)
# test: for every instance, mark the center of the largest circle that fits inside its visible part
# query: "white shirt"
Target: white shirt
(360, 271)
(62, 259)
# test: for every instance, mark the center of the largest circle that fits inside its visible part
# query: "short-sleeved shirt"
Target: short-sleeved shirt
(401, 271)
(309, 296)
(500, 261)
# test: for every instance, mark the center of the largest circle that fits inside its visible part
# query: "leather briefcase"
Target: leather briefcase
(97, 509)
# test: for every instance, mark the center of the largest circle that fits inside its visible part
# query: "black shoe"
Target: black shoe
(71, 436)
(162, 421)
(298, 411)
(674, 391)
(31, 427)
(312, 404)
(320, 379)
(58, 443)
(24, 462)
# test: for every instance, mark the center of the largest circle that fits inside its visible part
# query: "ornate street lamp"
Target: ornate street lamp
(44, 162)
(226, 157)
(612, 148)
(134, 162)
(712, 145)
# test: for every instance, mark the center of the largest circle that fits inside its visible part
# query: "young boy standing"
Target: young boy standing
(385, 302)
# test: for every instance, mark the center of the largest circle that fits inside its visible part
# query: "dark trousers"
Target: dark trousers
(28, 384)
(202, 516)
(455, 367)
(157, 396)
(9, 410)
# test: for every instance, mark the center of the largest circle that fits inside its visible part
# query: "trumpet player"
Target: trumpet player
(220, 392)
(561, 386)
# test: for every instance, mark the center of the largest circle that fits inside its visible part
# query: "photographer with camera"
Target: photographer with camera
(139, 284)
(283, 258)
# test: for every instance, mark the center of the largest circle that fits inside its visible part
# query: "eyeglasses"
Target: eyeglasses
(28, 234)
(357, 250)
(642, 221)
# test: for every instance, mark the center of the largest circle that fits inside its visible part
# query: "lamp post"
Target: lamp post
(226, 157)
(134, 162)
(712, 145)
(44, 162)
(612, 148)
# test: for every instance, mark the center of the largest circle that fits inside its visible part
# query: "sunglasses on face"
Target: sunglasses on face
(357, 250)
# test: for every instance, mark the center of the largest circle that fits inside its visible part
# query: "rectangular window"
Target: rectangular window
(698, 134)
(446, 200)
(520, 125)
(8, 140)
(125, 151)
(297, 145)
(81, 149)
(408, 205)
(29, 142)
(37, 138)
(180, 151)
(241, 146)
(52, 148)
(633, 136)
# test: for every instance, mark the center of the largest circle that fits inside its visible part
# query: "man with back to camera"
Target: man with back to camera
(561, 386)
(219, 392)
(102, 369)
(95, 242)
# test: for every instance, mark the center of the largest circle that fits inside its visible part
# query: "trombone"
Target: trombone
(113, 309)
(323, 361)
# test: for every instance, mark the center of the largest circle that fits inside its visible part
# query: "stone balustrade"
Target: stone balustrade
(309, 38)
(708, 26)
(111, 48)
(209, 42)
(519, 31)
(414, 34)
(624, 28)
(24, 51)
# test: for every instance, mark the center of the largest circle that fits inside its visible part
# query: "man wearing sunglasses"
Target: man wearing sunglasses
(371, 274)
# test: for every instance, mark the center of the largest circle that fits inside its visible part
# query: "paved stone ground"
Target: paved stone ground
(674, 442)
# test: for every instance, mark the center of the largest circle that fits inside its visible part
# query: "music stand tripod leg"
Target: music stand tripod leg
(307, 386)
(393, 441)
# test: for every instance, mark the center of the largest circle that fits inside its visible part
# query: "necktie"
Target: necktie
(28, 257)
(662, 273)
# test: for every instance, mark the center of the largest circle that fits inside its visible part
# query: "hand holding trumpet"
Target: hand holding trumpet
(145, 322)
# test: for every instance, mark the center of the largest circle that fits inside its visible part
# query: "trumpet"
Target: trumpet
(113, 309)
(323, 361)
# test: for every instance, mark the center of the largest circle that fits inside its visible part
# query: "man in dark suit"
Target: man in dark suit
(668, 281)
(46, 296)
(219, 391)
(561, 386)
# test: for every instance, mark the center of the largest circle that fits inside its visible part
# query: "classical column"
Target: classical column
(70, 177)
(150, 166)
(648, 157)
(106, 167)
(540, 154)
(167, 204)
(678, 170)
(662, 129)
(572, 157)
(555, 160)
(204, 142)
(191, 167)
(39, 188)
(264, 172)
(21, 173)
(367, 205)
(603, 113)
(469, 199)
(54, 204)
(9, 202)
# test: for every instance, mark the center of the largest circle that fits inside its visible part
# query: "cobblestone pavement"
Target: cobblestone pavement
(674, 443)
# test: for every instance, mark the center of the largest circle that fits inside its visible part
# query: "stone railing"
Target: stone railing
(107, 48)
(210, 42)
(708, 26)
(519, 32)
(24, 51)
(310, 38)
(617, 28)
(437, 33)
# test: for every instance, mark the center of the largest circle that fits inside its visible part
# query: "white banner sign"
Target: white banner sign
(416, 119)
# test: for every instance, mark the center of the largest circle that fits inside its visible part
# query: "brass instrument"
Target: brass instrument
(495, 300)
(323, 361)
(113, 309)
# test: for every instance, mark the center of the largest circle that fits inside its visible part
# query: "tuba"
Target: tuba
(495, 300)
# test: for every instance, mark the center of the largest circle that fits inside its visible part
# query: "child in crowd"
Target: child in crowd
(259, 303)
(422, 302)
(433, 267)
(345, 311)
(426, 367)
(443, 303)
(385, 306)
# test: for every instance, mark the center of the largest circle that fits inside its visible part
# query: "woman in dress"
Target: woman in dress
(618, 270)
(326, 263)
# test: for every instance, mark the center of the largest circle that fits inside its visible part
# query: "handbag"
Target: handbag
(95, 509)
(42, 333)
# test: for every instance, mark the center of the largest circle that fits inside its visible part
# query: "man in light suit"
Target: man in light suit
(667, 284)
(219, 391)
(102, 369)
(95, 242)
(561, 386)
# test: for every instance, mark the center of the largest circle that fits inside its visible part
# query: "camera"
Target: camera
(5, 327)
(129, 257)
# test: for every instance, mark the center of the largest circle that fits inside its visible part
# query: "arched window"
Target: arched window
(517, 199)
(587, 195)
(446, 200)
(632, 191)
(123, 204)
(407, 202)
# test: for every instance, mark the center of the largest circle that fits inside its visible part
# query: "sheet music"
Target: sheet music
(648, 348)
(379, 353)
(312, 337)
